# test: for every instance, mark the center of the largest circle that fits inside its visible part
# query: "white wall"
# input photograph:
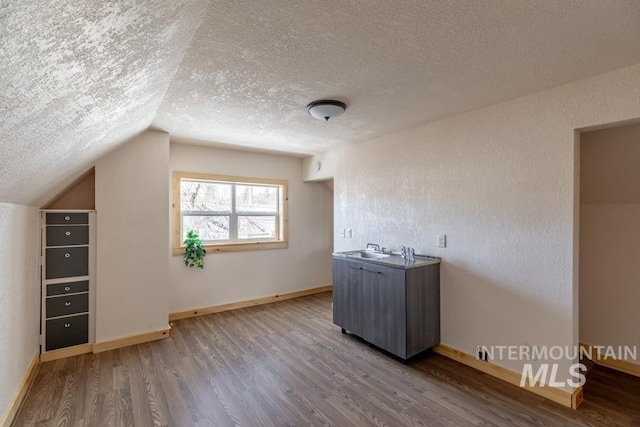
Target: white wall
(132, 204)
(610, 237)
(499, 182)
(237, 276)
(19, 295)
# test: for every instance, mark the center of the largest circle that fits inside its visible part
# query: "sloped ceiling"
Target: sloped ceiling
(78, 78)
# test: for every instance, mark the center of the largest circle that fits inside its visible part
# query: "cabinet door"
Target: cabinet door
(60, 235)
(67, 288)
(384, 308)
(347, 295)
(66, 304)
(67, 262)
(67, 218)
(67, 331)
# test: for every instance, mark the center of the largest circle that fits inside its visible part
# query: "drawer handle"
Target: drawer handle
(67, 255)
(68, 233)
(67, 288)
(68, 303)
(67, 325)
(67, 218)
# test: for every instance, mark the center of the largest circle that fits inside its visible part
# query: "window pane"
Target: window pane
(256, 198)
(256, 227)
(207, 227)
(205, 196)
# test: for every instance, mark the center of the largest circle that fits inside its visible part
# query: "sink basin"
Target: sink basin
(373, 255)
(367, 254)
(390, 260)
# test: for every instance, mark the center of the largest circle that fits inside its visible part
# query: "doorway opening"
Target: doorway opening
(609, 246)
(328, 185)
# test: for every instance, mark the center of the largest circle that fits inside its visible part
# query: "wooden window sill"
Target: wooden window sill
(236, 247)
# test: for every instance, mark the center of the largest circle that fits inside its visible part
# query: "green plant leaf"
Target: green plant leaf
(194, 252)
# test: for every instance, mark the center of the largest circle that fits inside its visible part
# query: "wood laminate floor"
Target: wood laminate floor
(286, 364)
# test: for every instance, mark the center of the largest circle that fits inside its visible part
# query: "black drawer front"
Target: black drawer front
(67, 304)
(67, 331)
(59, 235)
(67, 218)
(67, 262)
(67, 288)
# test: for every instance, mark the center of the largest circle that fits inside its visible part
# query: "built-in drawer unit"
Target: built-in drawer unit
(67, 235)
(67, 331)
(66, 305)
(67, 262)
(68, 275)
(67, 288)
(67, 218)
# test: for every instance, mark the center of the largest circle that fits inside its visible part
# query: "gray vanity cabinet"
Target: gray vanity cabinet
(348, 301)
(384, 301)
(394, 308)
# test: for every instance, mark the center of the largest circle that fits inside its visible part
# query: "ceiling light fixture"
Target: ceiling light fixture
(326, 109)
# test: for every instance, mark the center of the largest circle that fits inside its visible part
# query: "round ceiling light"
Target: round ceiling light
(326, 109)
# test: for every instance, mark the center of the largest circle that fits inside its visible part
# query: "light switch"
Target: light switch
(349, 233)
(442, 241)
(343, 233)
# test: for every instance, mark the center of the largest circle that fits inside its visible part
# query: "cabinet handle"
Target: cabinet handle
(67, 218)
(67, 288)
(68, 233)
(368, 271)
(68, 303)
(363, 269)
(67, 255)
(374, 272)
(67, 325)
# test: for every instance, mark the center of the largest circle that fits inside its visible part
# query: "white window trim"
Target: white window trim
(225, 246)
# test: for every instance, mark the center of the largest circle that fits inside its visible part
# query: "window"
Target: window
(229, 213)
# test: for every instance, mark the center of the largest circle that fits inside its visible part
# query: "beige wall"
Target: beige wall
(80, 194)
(610, 237)
(237, 276)
(610, 165)
(19, 296)
(500, 182)
(139, 282)
(132, 203)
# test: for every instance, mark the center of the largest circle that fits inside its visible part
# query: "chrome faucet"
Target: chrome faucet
(374, 246)
(407, 253)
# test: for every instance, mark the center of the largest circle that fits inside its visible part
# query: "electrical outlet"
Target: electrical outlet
(441, 242)
(343, 233)
(481, 354)
(349, 233)
(531, 354)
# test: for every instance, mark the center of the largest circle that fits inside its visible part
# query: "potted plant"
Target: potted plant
(194, 252)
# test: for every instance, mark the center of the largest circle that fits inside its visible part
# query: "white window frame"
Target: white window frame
(233, 244)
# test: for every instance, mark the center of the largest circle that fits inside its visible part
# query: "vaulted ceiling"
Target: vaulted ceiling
(79, 78)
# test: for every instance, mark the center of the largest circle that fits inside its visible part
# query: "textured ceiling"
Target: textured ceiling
(78, 78)
(253, 66)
